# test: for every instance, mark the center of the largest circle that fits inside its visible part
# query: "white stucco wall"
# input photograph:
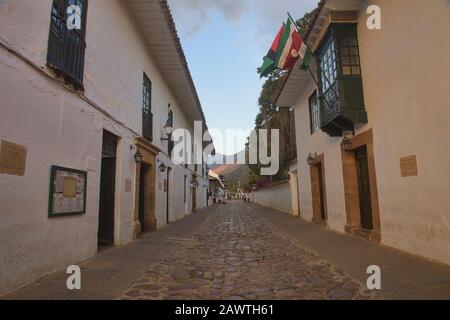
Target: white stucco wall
(409, 93)
(277, 197)
(405, 70)
(69, 135)
(319, 143)
(60, 128)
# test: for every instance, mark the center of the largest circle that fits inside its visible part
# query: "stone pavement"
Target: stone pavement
(107, 275)
(404, 276)
(242, 251)
(236, 254)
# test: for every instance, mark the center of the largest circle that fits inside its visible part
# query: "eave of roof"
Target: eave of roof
(154, 19)
(294, 85)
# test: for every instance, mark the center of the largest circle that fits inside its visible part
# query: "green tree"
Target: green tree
(272, 117)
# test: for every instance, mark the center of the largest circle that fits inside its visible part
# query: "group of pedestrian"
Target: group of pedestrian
(246, 197)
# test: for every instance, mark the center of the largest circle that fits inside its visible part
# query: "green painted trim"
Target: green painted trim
(53, 171)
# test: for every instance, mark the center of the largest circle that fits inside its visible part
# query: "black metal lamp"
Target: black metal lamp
(194, 183)
(162, 167)
(168, 128)
(310, 159)
(347, 144)
(138, 157)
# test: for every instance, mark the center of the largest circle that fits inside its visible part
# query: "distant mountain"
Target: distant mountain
(233, 172)
(221, 159)
(238, 174)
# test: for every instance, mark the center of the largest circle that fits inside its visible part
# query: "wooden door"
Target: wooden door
(168, 186)
(107, 190)
(365, 198)
(323, 213)
(143, 195)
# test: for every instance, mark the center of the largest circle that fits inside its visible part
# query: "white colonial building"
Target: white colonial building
(88, 93)
(387, 92)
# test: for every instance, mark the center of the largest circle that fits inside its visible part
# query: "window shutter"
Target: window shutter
(147, 116)
(66, 46)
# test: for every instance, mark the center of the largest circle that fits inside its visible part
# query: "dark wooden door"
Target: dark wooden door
(321, 191)
(168, 195)
(142, 195)
(107, 191)
(365, 199)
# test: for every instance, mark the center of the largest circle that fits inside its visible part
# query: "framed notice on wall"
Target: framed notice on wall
(68, 190)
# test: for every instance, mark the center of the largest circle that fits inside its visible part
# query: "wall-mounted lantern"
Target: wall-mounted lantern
(138, 157)
(347, 144)
(168, 128)
(194, 184)
(310, 159)
(162, 166)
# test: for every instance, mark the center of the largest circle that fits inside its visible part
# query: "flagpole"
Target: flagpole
(295, 25)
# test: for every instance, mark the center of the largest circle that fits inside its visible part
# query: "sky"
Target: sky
(224, 42)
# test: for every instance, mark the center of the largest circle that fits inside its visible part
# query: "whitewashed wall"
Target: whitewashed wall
(408, 110)
(60, 128)
(278, 197)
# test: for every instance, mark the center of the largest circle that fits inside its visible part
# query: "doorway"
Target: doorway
(365, 201)
(360, 186)
(294, 193)
(143, 189)
(323, 214)
(319, 202)
(107, 190)
(168, 186)
(194, 194)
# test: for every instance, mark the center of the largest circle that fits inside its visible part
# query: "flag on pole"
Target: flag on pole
(270, 60)
(286, 49)
(292, 47)
(290, 44)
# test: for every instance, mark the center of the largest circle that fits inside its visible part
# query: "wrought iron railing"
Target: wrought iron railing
(66, 50)
(147, 125)
(330, 104)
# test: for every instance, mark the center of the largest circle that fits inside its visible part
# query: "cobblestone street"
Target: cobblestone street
(237, 254)
(243, 251)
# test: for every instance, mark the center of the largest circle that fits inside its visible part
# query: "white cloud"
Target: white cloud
(192, 15)
(267, 15)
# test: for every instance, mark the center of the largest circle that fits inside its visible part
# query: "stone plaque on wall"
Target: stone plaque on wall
(13, 158)
(409, 167)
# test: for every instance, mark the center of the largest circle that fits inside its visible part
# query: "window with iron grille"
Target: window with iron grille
(147, 116)
(328, 66)
(66, 44)
(314, 112)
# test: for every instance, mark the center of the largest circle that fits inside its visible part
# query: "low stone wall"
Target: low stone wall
(277, 197)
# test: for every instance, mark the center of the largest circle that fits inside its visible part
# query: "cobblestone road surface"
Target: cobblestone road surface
(236, 254)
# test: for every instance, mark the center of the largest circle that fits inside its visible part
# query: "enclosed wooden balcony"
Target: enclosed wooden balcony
(341, 92)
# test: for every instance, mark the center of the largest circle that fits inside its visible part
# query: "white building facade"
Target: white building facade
(86, 90)
(387, 91)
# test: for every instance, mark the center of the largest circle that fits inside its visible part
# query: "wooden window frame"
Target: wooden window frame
(62, 44)
(170, 143)
(147, 115)
(314, 112)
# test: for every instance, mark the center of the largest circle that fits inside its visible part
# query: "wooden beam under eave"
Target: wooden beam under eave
(344, 16)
